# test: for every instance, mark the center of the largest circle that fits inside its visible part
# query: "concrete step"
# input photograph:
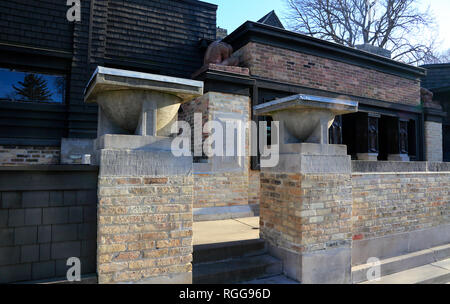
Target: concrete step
(435, 273)
(236, 270)
(403, 262)
(224, 251)
(273, 280)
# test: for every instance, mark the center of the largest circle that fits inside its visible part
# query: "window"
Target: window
(28, 86)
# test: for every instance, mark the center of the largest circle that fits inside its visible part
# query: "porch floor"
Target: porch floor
(223, 231)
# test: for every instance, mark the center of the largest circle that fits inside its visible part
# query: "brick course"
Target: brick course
(390, 203)
(144, 227)
(29, 155)
(325, 74)
(306, 212)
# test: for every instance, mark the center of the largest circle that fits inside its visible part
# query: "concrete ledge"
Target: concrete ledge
(359, 166)
(224, 213)
(138, 162)
(85, 279)
(312, 164)
(403, 262)
(399, 244)
(56, 168)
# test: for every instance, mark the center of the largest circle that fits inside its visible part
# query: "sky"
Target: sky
(232, 13)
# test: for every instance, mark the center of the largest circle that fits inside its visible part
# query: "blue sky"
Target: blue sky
(232, 13)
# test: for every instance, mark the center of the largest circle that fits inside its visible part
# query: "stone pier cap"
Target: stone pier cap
(306, 118)
(109, 79)
(139, 103)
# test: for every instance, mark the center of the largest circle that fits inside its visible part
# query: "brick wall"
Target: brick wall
(222, 188)
(433, 141)
(144, 227)
(253, 187)
(320, 73)
(389, 203)
(306, 212)
(27, 155)
(46, 217)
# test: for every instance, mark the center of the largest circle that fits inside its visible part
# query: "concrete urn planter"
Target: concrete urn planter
(140, 103)
(305, 118)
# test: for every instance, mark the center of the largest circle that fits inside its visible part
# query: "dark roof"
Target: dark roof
(281, 38)
(438, 77)
(271, 19)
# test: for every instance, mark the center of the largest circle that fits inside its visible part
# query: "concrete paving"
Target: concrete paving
(280, 279)
(226, 230)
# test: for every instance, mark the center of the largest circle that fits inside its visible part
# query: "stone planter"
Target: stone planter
(305, 118)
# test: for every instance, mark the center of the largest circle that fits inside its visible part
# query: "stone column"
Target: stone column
(222, 183)
(433, 131)
(306, 200)
(306, 209)
(145, 193)
(398, 139)
(367, 136)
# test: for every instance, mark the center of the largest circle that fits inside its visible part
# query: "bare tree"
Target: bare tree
(443, 57)
(395, 25)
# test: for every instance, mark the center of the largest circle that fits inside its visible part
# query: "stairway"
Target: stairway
(235, 262)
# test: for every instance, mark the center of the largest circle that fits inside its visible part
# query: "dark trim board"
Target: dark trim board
(269, 35)
(216, 81)
(365, 103)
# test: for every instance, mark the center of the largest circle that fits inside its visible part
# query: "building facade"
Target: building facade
(129, 215)
(151, 36)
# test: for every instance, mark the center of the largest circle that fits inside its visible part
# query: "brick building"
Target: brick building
(36, 37)
(438, 81)
(130, 224)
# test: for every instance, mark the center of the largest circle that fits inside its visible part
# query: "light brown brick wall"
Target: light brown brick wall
(222, 189)
(29, 155)
(391, 203)
(306, 212)
(144, 227)
(321, 73)
(253, 187)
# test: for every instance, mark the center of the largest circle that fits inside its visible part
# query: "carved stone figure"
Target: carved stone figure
(426, 96)
(220, 53)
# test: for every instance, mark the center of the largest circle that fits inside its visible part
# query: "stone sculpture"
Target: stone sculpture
(220, 53)
(426, 96)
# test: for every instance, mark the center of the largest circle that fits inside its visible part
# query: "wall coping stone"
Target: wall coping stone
(399, 167)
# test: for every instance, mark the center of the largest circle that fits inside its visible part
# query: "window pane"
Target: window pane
(31, 87)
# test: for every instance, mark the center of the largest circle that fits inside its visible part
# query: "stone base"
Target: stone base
(133, 142)
(400, 243)
(312, 164)
(367, 156)
(398, 157)
(331, 266)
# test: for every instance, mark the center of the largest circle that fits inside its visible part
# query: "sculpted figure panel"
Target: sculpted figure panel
(220, 53)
